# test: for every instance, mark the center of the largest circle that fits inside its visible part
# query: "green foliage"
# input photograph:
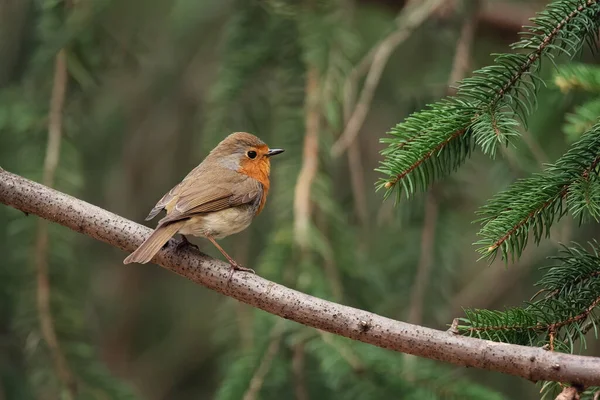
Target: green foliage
(23, 126)
(581, 119)
(560, 318)
(574, 77)
(578, 76)
(436, 141)
(565, 311)
(569, 184)
(334, 367)
(124, 66)
(486, 113)
(247, 53)
(317, 37)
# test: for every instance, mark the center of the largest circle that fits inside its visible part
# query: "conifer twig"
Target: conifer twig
(559, 196)
(265, 364)
(413, 15)
(55, 122)
(530, 363)
(481, 98)
(551, 328)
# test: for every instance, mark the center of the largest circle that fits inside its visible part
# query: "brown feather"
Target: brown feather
(154, 243)
(201, 186)
(226, 178)
(216, 198)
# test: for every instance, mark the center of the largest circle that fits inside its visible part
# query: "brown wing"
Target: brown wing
(195, 199)
(168, 200)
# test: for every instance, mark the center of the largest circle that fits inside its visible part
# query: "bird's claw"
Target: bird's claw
(185, 242)
(237, 267)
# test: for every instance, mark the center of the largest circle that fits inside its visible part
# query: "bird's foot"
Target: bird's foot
(185, 242)
(237, 267)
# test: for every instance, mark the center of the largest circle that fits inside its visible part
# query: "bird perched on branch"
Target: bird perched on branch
(216, 199)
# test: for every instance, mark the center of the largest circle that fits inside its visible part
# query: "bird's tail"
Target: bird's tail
(154, 243)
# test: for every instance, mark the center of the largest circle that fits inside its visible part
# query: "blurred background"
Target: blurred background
(140, 91)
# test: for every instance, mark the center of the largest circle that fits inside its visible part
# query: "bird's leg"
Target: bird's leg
(233, 263)
(186, 242)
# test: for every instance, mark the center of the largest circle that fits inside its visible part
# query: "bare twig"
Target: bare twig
(355, 166)
(298, 369)
(461, 64)
(357, 179)
(528, 362)
(310, 160)
(57, 102)
(411, 17)
(308, 172)
(415, 313)
(506, 15)
(265, 365)
(460, 67)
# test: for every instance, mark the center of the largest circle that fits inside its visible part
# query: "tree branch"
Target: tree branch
(55, 122)
(310, 160)
(528, 362)
(416, 14)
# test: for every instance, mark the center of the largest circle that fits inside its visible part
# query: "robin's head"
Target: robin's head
(247, 154)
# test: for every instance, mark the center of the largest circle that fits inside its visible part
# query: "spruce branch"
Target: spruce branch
(580, 269)
(528, 362)
(564, 315)
(437, 140)
(509, 216)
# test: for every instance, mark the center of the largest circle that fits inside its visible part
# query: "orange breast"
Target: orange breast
(259, 170)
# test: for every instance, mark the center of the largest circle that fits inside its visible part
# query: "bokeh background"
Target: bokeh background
(151, 87)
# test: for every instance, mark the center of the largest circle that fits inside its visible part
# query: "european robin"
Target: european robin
(216, 199)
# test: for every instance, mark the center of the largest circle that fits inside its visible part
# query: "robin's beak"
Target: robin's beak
(274, 152)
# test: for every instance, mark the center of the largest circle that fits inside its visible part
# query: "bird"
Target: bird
(218, 198)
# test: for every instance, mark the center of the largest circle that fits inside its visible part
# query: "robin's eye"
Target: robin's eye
(251, 154)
